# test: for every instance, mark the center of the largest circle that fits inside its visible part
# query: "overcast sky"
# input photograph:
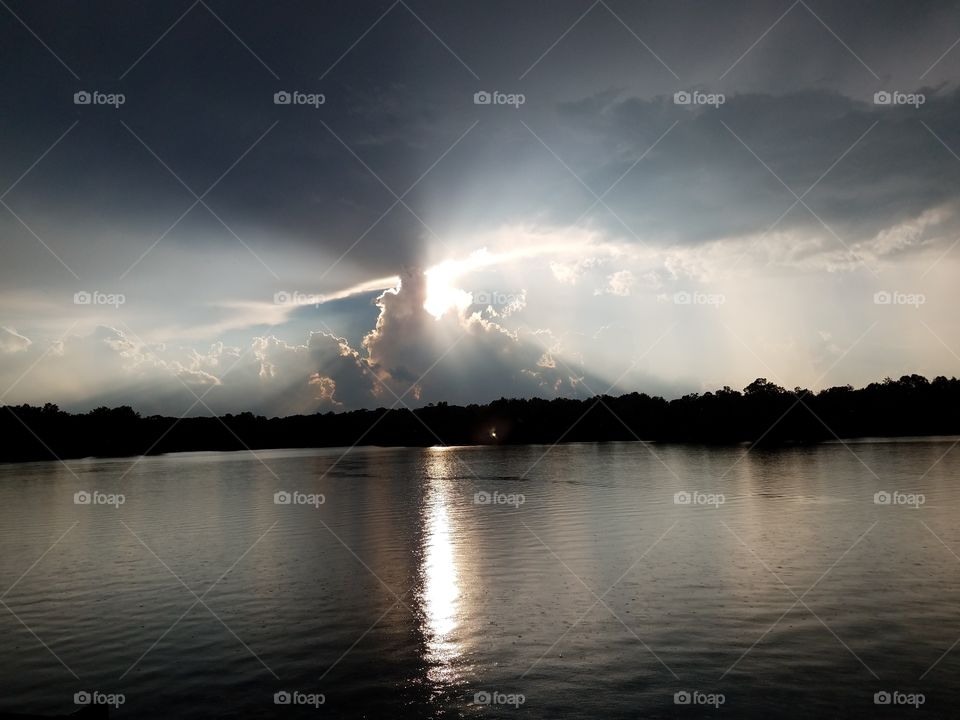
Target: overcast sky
(665, 197)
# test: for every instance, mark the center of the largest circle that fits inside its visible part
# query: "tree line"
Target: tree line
(762, 413)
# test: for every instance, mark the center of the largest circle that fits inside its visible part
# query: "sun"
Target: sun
(441, 293)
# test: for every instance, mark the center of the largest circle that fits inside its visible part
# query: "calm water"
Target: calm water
(587, 589)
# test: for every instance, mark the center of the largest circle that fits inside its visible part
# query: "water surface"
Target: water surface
(587, 588)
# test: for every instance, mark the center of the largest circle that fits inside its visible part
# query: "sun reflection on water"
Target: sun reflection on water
(440, 594)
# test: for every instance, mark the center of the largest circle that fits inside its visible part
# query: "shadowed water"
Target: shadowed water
(570, 581)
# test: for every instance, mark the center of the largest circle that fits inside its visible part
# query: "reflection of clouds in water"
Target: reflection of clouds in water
(441, 592)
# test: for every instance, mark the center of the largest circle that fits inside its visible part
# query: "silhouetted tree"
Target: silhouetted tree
(763, 412)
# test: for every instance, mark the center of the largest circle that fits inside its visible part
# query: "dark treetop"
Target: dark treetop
(762, 413)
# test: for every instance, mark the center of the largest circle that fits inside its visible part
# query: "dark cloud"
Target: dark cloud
(729, 171)
(402, 96)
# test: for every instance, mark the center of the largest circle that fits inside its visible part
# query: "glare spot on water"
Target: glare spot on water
(441, 591)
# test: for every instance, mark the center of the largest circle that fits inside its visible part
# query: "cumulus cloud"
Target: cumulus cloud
(569, 272)
(326, 389)
(619, 283)
(465, 355)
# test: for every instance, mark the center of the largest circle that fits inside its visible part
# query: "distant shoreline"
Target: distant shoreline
(762, 414)
(362, 446)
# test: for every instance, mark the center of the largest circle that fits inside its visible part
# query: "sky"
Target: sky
(211, 207)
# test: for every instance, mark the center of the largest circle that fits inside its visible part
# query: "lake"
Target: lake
(616, 580)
